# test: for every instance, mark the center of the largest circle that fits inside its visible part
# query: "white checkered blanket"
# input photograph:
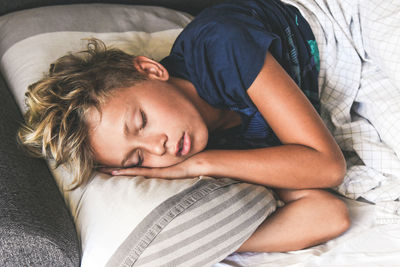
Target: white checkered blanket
(359, 45)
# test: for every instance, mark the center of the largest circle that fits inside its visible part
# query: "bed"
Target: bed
(201, 221)
(366, 243)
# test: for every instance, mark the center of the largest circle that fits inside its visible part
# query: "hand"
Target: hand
(191, 167)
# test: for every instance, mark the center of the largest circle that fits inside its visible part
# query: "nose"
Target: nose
(155, 144)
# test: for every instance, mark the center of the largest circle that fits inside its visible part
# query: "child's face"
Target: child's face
(151, 123)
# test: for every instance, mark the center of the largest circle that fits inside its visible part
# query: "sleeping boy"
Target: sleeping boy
(237, 97)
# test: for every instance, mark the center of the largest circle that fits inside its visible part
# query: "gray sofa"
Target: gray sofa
(36, 228)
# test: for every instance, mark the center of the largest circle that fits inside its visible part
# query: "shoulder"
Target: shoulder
(218, 29)
(220, 22)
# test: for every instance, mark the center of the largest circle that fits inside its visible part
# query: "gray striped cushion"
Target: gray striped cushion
(197, 227)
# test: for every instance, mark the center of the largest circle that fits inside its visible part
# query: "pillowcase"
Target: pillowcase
(131, 220)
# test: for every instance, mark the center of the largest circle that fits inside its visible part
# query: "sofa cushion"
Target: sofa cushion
(36, 228)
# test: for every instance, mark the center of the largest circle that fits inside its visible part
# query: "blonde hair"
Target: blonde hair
(55, 125)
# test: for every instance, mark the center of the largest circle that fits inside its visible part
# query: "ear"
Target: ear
(152, 69)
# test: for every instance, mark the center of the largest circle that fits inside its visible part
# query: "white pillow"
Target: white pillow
(131, 219)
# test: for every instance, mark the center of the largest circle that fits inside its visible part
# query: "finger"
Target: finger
(132, 171)
(107, 170)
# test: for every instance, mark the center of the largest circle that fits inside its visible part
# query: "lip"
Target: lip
(178, 145)
(186, 145)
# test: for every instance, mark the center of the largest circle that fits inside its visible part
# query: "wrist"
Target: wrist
(202, 164)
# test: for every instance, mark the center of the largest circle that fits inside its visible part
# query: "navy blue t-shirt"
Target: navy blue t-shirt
(222, 51)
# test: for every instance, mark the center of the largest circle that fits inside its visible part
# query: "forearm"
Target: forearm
(301, 223)
(286, 166)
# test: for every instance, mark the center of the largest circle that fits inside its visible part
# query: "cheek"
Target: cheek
(201, 137)
(177, 112)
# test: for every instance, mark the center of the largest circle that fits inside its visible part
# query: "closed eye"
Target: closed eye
(144, 119)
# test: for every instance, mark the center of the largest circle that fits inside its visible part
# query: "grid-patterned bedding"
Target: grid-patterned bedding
(360, 92)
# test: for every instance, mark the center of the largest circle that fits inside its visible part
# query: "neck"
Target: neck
(214, 118)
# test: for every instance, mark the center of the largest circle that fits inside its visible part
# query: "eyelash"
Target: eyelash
(144, 123)
(144, 119)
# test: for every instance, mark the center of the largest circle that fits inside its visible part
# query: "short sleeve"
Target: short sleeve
(222, 59)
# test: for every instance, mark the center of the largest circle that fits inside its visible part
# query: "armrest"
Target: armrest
(36, 228)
